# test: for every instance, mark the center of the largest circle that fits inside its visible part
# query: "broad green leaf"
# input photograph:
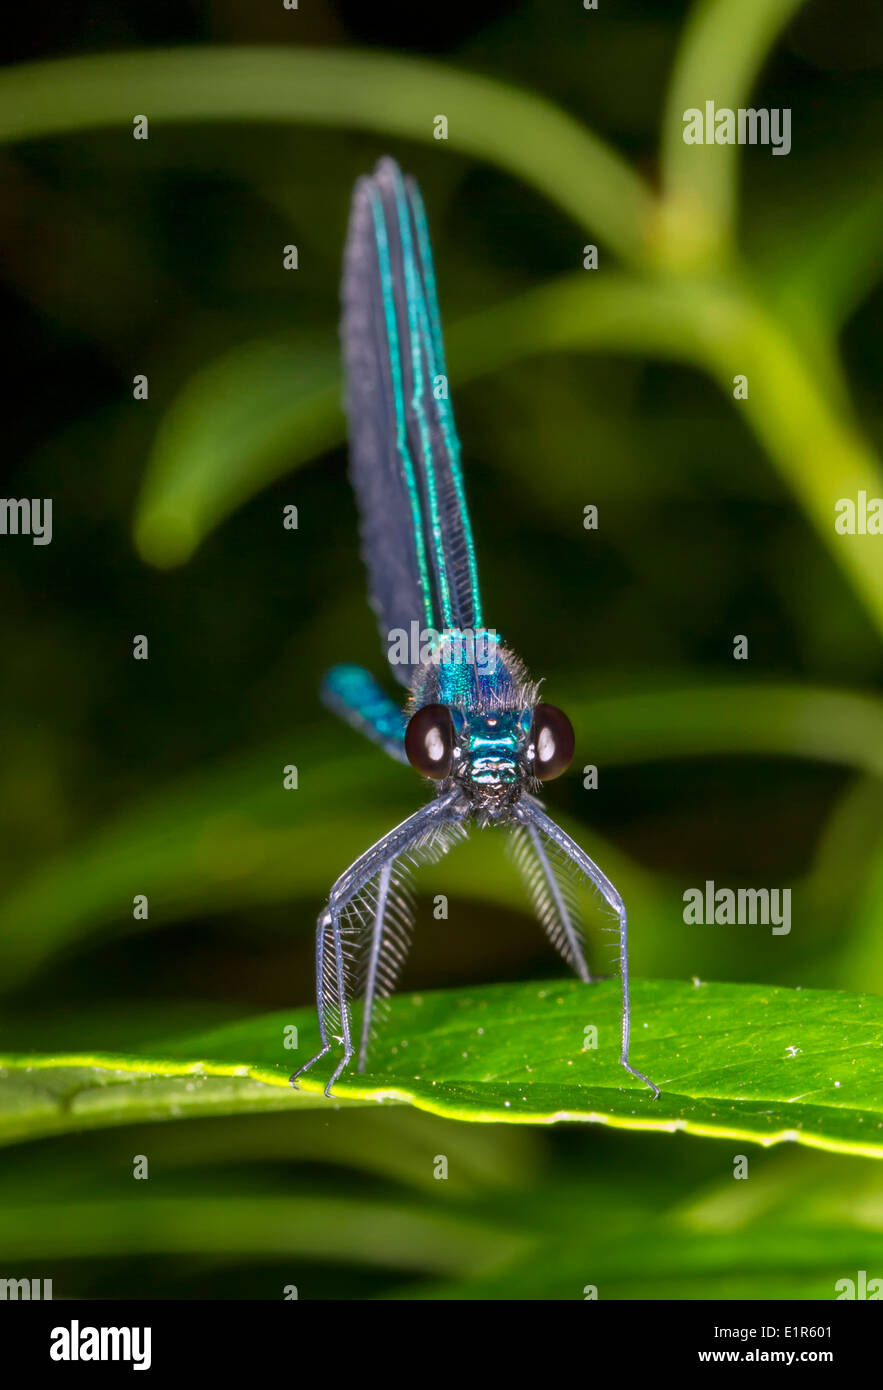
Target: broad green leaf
(747, 1062)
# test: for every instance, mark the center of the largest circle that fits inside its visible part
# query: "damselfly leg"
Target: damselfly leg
(426, 834)
(532, 815)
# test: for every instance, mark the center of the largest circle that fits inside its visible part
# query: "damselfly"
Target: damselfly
(472, 723)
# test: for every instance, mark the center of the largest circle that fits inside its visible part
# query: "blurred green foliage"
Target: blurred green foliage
(165, 257)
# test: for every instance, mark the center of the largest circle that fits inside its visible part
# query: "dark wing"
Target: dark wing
(404, 452)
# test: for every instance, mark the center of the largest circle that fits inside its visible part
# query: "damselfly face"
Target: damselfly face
(485, 755)
(486, 736)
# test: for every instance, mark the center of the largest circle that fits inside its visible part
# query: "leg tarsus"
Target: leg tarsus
(306, 1066)
(626, 998)
(342, 1064)
(641, 1077)
(323, 923)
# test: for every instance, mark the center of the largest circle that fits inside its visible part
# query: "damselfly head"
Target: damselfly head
(494, 755)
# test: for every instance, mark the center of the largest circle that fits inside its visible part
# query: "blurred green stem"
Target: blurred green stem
(724, 46)
(820, 453)
(521, 132)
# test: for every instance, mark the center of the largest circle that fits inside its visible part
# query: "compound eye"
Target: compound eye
(429, 741)
(551, 734)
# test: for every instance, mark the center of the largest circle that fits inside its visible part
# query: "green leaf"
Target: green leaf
(743, 1061)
